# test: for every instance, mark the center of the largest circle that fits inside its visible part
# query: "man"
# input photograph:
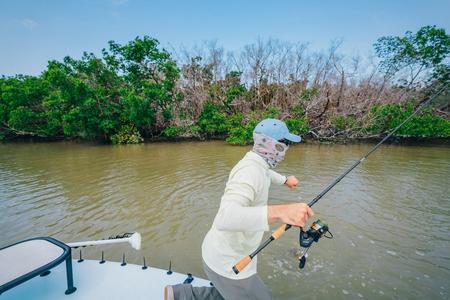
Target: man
(243, 217)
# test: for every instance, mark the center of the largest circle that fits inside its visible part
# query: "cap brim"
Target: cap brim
(293, 138)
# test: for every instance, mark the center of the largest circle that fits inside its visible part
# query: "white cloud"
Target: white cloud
(29, 24)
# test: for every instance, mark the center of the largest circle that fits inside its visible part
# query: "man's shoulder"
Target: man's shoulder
(248, 169)
(248, 162)
(254, 159)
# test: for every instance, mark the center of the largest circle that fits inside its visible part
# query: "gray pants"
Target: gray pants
(225, 288)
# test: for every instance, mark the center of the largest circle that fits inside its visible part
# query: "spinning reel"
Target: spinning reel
(307, 238)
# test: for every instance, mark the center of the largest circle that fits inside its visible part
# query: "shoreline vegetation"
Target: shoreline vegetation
(308, 139)
(139, 92)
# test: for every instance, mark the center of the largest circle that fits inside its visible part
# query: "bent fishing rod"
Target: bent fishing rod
(319, 229)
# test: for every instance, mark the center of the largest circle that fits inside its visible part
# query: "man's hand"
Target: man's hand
(295, 214)
(291, 182)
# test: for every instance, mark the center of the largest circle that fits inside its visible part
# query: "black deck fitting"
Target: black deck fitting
(124, 263)
(170, 268)
(45, 273)
(189, 279)
(103, 259)
(144, 267)
(81, 258)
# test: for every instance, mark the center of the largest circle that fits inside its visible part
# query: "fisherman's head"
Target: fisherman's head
(271, 139)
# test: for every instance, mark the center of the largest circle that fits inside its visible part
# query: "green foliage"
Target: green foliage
(3, 113)
(441, 76)
(22, 118)
(179, 131)
(21, 106)
(297, 126)
(72, 123)
(136, 109)
(130, 92)
(271, 112)
(173, 131)
(234, 86)
(111, 98)
(241, 133)
(233, 92)
(150, 73)
(127, 135)
(308, 94)
(298, 111)
(425, 49)
(342, 123)
(387, 117)
(212, 120)
(429, 46)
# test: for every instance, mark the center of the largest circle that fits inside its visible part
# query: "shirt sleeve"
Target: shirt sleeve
(277, 178)
(236, 212)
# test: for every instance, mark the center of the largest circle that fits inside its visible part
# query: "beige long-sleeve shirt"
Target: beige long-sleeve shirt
(239, 225)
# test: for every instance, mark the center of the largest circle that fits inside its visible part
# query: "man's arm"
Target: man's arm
(235, 217)
(295, 214)
(236, 212)
(279, 179)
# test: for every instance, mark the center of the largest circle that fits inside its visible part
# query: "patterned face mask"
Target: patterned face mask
(268, 148)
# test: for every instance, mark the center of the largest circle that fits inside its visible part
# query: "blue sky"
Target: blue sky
(33, 32)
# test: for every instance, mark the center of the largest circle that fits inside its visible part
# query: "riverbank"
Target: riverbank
(338, 141)
(400, 140)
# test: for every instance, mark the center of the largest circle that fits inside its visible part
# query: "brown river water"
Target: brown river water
(390, 217)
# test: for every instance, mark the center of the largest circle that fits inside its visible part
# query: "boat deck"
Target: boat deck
(100, 281)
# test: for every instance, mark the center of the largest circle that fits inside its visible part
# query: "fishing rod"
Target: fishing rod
(319, 229)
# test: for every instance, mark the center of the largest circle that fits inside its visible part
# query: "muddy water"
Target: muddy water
(390, 217)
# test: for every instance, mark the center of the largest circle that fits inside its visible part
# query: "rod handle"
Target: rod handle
(241, 264)
(280, 231)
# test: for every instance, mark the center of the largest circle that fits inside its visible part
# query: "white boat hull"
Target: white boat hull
(100, 281)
